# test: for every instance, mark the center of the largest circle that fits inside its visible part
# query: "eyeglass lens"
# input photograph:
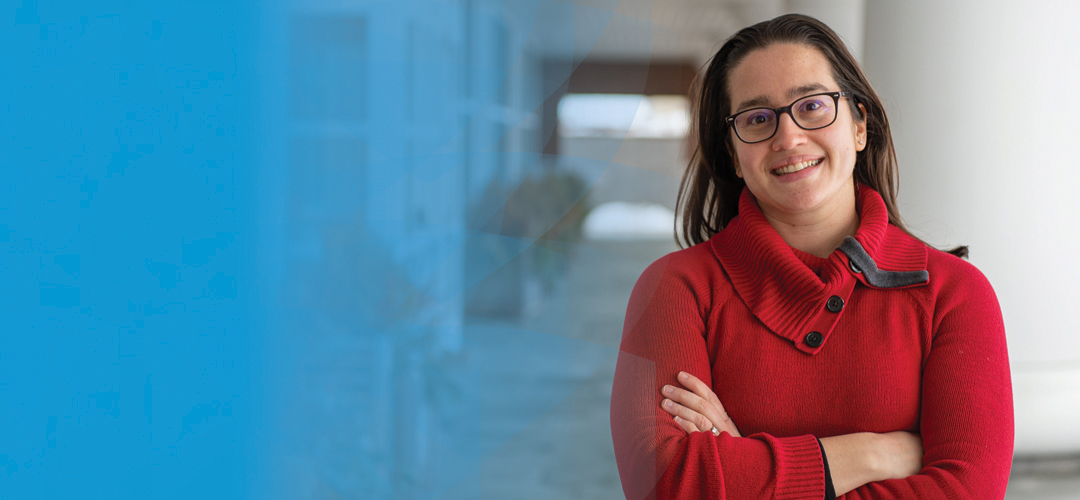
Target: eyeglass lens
(810, 112)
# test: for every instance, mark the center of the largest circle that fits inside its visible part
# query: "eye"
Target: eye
(811, 105)
(757, 118)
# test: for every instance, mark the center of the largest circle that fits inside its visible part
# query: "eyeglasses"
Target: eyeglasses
(809, 113)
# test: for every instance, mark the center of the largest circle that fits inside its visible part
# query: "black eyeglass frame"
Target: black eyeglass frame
(787, 109)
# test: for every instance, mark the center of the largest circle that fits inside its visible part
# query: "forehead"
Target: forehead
(776, 72)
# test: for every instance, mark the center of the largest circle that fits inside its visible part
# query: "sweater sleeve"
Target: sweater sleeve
(664, 333)
(966, 417)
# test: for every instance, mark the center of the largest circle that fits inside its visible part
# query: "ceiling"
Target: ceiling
(680, 30)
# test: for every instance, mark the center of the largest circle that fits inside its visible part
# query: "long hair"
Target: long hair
(709, 193)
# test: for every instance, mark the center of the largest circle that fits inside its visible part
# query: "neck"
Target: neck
(821, 231)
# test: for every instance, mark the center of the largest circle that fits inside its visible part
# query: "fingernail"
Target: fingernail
(677, 418)
(682, 375)
(667, 402)
(667, 389)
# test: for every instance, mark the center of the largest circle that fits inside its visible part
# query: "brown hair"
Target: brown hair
(709, 193)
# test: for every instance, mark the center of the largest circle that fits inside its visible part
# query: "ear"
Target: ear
(860, 130)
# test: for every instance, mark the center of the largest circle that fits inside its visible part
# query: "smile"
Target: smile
(795, 167)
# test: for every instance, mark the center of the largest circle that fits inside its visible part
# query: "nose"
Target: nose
(788, 134)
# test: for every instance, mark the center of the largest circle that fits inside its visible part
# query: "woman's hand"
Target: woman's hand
(864, 457)
(697, 409)
(899, 454)
(854, 459)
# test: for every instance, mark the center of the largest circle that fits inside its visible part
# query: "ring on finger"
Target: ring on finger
(715, 431)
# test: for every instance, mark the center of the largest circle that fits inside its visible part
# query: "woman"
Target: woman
(854, 358)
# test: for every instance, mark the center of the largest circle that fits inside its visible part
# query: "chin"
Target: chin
(802, 203)
(811, 199)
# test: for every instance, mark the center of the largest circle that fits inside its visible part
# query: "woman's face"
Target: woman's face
(816, 164)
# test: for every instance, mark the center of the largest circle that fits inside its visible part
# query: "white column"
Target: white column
(983, 100)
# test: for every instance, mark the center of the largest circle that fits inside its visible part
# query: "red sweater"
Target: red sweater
(900, 353)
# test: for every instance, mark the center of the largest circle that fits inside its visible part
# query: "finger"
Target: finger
(698, 420)
(713, 412)
(686, 425)
(702, 390)
(678, 410)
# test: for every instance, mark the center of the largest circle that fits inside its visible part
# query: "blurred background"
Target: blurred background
(383, 249)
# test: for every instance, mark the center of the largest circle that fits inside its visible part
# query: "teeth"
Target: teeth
(795, 167)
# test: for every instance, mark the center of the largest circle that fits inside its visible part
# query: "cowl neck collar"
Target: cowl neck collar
(786, 288)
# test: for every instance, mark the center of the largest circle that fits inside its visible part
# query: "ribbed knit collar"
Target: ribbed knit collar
(779, 283)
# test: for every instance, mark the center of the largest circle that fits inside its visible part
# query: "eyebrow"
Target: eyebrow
(793, 93)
